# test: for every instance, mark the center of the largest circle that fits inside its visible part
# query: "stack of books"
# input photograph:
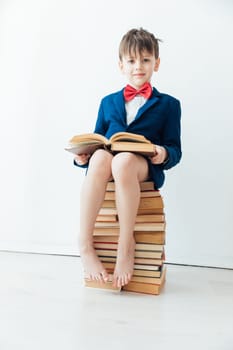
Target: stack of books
(149, 232)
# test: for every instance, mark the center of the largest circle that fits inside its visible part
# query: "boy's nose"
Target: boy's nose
(138, 64)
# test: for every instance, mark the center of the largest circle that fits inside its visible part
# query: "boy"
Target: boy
(140, 109)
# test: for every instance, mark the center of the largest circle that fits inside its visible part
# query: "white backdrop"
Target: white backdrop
(57, 59)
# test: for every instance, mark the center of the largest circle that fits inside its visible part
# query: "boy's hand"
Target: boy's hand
(82, 159)
(160, 155)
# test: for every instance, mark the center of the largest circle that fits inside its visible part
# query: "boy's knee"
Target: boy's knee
(100, 156)
(100, 162)
(122, 162)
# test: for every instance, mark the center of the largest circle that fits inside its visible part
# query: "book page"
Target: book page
(87, 143)
(84, 147)
(127, 136)
(90, 137)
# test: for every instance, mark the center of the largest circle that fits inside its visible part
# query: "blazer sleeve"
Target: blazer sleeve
(171, 135)
(101, 124)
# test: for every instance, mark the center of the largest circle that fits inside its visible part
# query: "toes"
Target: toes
(99, 277)
(120, 281)
(129, 276)
(115, 281)
(87, 276)
(104, 276)
(125, 280)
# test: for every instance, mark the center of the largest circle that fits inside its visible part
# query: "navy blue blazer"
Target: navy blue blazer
(158, 120)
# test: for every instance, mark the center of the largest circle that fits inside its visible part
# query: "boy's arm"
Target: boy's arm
(171, 136)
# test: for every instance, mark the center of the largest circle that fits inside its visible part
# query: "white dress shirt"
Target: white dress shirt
(133, 106)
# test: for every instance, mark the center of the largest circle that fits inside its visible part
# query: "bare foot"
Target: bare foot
(93, 268)
(124, 264)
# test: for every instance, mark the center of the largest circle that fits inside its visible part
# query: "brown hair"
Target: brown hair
(138, 40)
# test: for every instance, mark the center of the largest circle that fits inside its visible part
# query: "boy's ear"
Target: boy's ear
(120, 63)
(157, 63)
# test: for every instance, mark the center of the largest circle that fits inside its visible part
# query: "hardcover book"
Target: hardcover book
(119, 142)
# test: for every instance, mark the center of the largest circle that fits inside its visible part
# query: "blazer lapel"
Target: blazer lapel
(120, 105)
(152, 100)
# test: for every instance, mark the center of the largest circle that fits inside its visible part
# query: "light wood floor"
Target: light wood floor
(43, 305)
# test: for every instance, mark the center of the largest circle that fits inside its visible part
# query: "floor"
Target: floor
(44, 305)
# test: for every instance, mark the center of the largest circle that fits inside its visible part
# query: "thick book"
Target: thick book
(140, 263)
(145, 203)
(150, 218)
(144, 186)
(119, 142)
(147, 279)
(147, 288)
(155, 272)
(107, 235)
(138, 246)
(106, 218)
(111, 195)
(137, 254)
(139, 218)
(149, 263)
(142, 211)
(102, 285)
(147, 273)
(139, 226)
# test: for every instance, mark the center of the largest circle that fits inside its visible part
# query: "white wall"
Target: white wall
(52, 53)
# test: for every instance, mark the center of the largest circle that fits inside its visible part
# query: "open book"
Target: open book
(119, 142)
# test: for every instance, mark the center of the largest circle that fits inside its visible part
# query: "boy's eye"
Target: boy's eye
(146, 60)
(131, 61)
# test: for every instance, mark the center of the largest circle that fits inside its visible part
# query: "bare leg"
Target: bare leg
(92, 196)
(128, 171)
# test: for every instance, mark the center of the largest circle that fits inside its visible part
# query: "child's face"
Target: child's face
(139, 68)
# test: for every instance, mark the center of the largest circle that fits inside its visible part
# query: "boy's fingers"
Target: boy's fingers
(82, 158)
(82, 154)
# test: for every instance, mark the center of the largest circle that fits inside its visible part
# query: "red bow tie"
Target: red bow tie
(130, 92)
